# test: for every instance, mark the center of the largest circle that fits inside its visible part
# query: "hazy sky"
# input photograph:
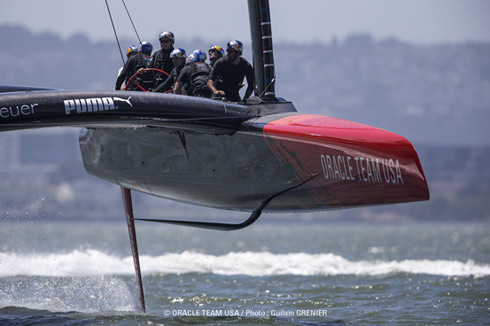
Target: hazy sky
(417, 21)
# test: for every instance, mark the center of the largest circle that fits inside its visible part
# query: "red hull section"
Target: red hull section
(349, 164)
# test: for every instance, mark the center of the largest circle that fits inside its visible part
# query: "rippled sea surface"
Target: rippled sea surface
(67, 273)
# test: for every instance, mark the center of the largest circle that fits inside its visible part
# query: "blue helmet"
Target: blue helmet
(192, 58)
(145, 47)
(166, 35)
(132, 50)
(235, 45)
(177, 53)
(201, 55)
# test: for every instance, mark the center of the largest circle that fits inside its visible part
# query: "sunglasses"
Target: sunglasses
(165, 41)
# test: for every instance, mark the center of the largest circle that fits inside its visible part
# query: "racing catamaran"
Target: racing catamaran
(258, 156)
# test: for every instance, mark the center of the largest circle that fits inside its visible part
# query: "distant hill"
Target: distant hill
(430, 94)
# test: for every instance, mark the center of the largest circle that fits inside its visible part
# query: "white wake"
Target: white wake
(94, 262)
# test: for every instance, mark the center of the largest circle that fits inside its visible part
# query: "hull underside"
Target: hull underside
(230, 172)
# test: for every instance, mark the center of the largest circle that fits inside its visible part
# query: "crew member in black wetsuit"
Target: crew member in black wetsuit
(161, 59)
(226, 78)
(194, 76)
(215, 52)
(135, 63)
(178, 58)
(132, 50)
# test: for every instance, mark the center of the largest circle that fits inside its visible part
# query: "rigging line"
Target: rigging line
(134, 27)
(114, 29)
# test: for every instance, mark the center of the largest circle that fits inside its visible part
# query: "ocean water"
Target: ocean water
(66, 273)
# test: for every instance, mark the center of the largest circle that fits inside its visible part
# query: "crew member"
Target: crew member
(161, 59)
(132, 50)
(178, 58)
(227, 75)
(194, 76)
(215, 52)
(134, 64)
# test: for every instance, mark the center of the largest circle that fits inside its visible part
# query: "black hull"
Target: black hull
(234, 172)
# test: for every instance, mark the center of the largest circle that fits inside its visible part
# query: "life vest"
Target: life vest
(141, 61)
(161, 60)
(199, 77)
(145, 80)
